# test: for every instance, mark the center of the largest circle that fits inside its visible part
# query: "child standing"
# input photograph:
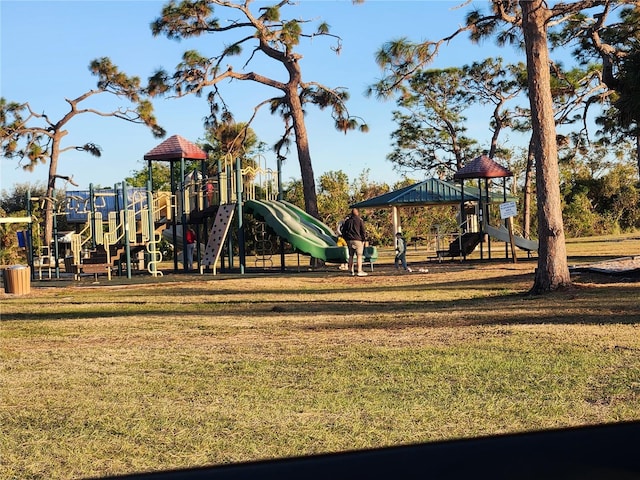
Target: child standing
(401, 252)
(341, 242)
(191, 246)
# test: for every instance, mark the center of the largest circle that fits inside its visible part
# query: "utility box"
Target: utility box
(17, 279)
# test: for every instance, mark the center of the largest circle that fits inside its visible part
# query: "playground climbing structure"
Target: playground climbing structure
(115, 229)
(122, 228)
(217, 236)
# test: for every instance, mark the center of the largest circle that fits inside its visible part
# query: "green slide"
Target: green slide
(304, 232)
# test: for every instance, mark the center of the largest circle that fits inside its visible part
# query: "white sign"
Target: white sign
(508, 209)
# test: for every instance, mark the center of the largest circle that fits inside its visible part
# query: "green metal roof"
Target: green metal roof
(431, 191)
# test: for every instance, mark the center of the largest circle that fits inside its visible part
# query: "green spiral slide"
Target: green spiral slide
(305, 233)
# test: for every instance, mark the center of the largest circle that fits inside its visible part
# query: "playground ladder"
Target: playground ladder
(217, 235)
(155, 256)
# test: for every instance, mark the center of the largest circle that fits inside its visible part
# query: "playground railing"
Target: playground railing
(110, 239)
(78, 244)
(97, 231)
(163, 206)
(138, 211)
(441, 241)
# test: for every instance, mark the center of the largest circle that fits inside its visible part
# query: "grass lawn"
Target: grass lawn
(137, 375)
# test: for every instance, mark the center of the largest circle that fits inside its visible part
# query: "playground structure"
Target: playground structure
(484, 168)
(121, 228)
(474, 229)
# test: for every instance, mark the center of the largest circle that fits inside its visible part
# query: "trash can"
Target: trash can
(68, 264)
(17, 279)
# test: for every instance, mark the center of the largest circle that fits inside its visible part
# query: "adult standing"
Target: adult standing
(354, 233)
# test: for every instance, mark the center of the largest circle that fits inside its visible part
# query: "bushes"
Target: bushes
(607, 204)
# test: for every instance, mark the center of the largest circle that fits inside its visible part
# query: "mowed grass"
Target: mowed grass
(126, 377)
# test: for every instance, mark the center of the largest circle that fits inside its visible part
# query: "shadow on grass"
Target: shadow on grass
(606, 304)
(353, 286)
(357, 288)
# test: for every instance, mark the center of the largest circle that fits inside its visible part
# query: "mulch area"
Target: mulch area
(624, 269)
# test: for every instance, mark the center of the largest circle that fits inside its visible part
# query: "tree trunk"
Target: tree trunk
(528, 174)
(499, 124)
(49, 196)
(553, 271)
(304, 154)
(638, 149)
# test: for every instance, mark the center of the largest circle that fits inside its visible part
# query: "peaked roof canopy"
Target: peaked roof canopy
(482, 167)
(176, 148)
(431, 191)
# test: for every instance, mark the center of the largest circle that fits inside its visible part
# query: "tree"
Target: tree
(622, 120)
(493, 83)
(600, 196)
(431, 132)
(15, 200)
(292, 192)
(14, 203)
(377, 220)
(615, 43)
(160, 174)
(553, 271)
(263, 33)
(27, 135)
(628, 103)
(333, 197)
(511, 21)
(229, 141)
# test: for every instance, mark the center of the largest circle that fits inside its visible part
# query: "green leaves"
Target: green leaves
(111, 79)
(290, 33)
(271, 14)
(158, 83)
(323, 29)
(185, 19)
(231, 50)
(268, 36)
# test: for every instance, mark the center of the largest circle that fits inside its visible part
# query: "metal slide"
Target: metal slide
(304, 232)
(502, 234)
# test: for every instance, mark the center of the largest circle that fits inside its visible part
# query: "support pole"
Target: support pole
(281, 197)
(511, 240)
(395, 220)
(152, 229)
(486, 188)
(463, 215)
(482, 218)
(56, 253)
(228, 167)
(183, 217)
(29, 240)
(507, 223)
(241, 245)
(280, 189)
(150, 174)
(220, 200)
(125, 220)
(174, 220)
(92, 214)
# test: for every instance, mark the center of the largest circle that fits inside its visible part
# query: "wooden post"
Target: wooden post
(511, 240)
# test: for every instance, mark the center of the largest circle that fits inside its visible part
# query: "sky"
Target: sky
(47, 46)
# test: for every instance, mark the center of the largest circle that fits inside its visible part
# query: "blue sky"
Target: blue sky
(46, 47)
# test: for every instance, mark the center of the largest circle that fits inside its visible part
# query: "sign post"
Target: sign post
(508, 211)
